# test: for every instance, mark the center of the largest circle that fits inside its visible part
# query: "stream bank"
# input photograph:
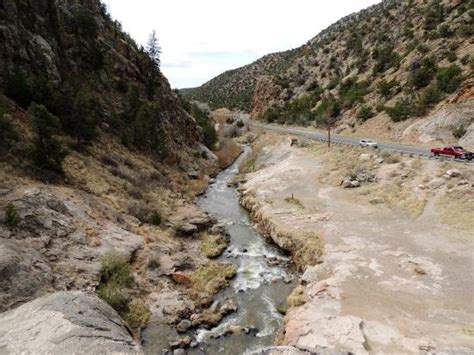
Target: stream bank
(265, 277)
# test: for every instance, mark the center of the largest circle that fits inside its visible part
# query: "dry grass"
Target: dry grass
(213, 245)
(228, 151)
(297, 298)
(212, 277)
(455, 208)
(294, 201)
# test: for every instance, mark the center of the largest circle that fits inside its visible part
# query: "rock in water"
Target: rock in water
(65, 322)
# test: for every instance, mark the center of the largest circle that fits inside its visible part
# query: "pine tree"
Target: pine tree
(154, 49)
(47, 152)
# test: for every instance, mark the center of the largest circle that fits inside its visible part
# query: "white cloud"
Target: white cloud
(201, 39)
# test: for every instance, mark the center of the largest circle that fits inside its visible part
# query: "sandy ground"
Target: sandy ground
(389, 281)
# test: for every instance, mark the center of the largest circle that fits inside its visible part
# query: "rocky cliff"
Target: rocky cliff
(389, 71)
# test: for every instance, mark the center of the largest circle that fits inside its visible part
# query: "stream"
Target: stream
(265, 276)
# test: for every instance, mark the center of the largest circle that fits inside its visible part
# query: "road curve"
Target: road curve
(338, 139)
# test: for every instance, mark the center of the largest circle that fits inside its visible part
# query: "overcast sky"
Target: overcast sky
(203, 38)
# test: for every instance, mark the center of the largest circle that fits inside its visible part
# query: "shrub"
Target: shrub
(449, 79)
(384, 87)
(401, 111)
(422, 72)
(240, 124)
(85, 22)
(428, 99)
(156, 218)
(434, 15)
(459, 132)
(12, 218)
(385, 58)
(47, 152)
(137, 315)
(353, 92)
(451, 56)
(445, 31)
(205, 122)
(365, 113)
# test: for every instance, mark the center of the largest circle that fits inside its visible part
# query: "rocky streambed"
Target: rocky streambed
(265, 277)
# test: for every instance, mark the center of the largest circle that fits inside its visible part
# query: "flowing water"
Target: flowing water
(264, 278)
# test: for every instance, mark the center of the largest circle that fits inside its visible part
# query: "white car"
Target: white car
(368, 143)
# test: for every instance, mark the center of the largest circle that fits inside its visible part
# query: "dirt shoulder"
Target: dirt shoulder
(397, 248)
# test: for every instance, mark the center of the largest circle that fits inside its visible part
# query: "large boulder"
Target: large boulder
(64, 323)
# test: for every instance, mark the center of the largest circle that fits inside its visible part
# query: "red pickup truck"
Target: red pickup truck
(456, 151)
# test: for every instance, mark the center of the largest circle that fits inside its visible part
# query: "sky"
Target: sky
(201, 39)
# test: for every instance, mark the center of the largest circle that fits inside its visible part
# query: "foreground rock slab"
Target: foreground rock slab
(62, 323)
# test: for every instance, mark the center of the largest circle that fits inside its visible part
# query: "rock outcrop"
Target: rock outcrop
(64, 323)
(57, 245)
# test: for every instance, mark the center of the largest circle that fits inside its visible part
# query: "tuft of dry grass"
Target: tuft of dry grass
(297, 298)
(213, 245)
(213, 277)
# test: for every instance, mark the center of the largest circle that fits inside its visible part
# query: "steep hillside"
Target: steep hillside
(235, 88)
(399, 70)
(71, 57)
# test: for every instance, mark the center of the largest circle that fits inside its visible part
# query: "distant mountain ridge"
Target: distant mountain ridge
(386, 66)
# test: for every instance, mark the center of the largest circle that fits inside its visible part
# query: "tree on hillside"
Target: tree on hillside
(154, 50)
(86, 116)
(47, 152)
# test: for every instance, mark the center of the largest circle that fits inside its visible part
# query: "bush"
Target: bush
(384, 88)
(240, 124)
(422, 72)
(449, 79)
(205, 122)
(12, 218)
(47, 152)
(353, 92)
(156, 218)
(365, 113)
(459, 132)
(85, 22)
(401, 111)
(386, 58)
(434, 15)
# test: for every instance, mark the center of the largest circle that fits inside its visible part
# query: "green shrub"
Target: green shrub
(422, 72)
(85, 22)
(459, 132)
(401, 111)
(205, 122)
(430, 96)
(85, 117)
(240, 124)
(434, 15)
(156, 218)
(445, 31)
(451, 56)
(365, 113)
(385, 58)
(449, 79)
(353, 92)
(12, 218)
(137, 314)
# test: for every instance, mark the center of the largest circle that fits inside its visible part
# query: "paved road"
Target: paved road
(338, 139)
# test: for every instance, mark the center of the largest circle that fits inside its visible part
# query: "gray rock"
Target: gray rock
(184, 326)
(65, 322)
(453, 173)
(354, 184)
(187, 229)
